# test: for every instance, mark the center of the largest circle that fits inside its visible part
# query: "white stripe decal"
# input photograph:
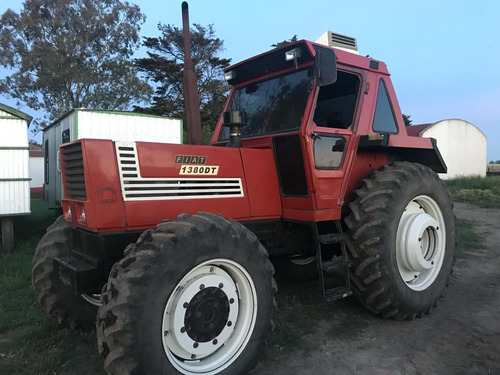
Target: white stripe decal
(135, 187)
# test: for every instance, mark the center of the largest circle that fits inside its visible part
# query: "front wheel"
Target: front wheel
(56, 298)
(403, 230)
(192, 296)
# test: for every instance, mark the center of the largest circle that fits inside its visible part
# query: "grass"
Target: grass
(300, 307)
(480, 191)
(15, 270)
(32, 343)
(467, 240)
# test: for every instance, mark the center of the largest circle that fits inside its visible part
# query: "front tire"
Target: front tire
(402, 226)
(192, 296)
(57, 299)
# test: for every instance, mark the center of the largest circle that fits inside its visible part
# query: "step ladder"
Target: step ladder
(334, 265)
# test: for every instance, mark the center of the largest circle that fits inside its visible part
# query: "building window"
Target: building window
(384, 120)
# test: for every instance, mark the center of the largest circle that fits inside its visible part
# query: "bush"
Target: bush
(481, 191)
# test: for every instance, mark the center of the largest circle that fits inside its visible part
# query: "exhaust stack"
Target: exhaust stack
(191, 96)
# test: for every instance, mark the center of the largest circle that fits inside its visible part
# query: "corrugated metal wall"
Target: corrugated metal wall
(14, 166)
(36, 172)
(123, 127)
(127, 128)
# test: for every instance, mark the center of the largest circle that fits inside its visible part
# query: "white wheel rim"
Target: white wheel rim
(420, 243)
(93, 299)
(209, 317)
(302, 260)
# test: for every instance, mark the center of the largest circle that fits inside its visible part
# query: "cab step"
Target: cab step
(334, 264)
(331, 238)
(333, 271)
(339, 292)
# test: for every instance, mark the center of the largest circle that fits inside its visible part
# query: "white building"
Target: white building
(36, 171)
(462, 146)
(14, 171)
(117, 126)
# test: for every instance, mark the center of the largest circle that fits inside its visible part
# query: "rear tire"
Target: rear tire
(192, 296)
(402, 226)
(296, 268)
(59, 301)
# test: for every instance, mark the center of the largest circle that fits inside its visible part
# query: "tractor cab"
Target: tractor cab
(330, 116)
(303, 101)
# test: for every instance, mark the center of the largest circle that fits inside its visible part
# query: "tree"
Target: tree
(282, 43)
(68, 54)
(407, 119)
(164, 68)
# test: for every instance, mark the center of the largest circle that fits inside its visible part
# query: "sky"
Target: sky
(443, 55)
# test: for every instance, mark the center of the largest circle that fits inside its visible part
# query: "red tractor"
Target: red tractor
(310, 163)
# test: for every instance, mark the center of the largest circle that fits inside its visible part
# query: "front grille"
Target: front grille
(136, 187)
(74, 175)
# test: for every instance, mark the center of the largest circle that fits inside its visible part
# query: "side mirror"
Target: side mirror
(326, 66)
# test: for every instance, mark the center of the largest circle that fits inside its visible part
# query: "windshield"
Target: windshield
(273, 105)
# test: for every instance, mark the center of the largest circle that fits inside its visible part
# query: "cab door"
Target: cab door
(330, 139)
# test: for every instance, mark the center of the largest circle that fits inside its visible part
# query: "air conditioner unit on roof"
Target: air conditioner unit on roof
(343, 42)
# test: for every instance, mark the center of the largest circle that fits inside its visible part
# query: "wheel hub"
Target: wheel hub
(202, 314)
(206, 314)
(420, 242)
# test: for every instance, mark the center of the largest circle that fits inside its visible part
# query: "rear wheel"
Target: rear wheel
(192, 296)
(403, 231)
(297, 267)
(57, 299)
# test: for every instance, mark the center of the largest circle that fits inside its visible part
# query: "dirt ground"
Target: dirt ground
(460, 336)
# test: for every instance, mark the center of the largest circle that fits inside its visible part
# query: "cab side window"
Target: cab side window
(329, 152)
(384, 120)
(337, 102)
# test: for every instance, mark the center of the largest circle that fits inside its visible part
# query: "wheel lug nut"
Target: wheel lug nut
(212, 269)
(221, 285)
(229, 324)
(215, 342)
(165, 333)
(231, 300)
(185, 305)
(202, 286)
(193, 356)
(195, 345)
(183, 329)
